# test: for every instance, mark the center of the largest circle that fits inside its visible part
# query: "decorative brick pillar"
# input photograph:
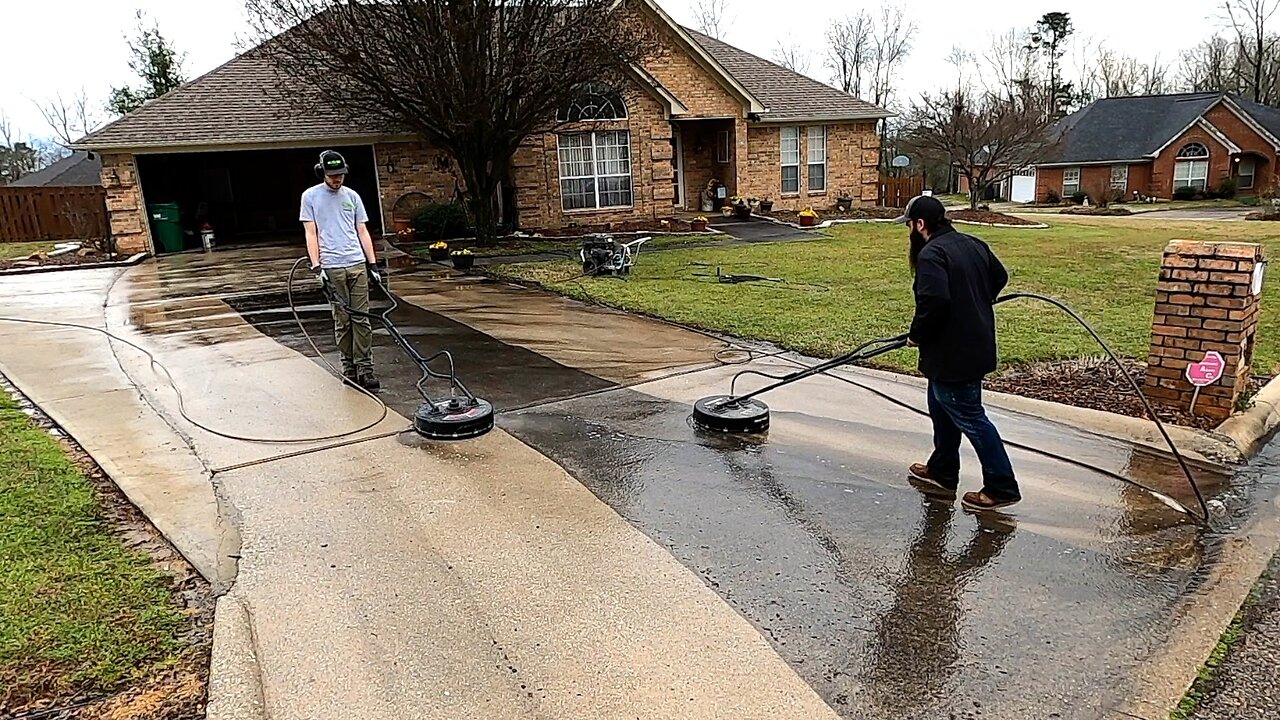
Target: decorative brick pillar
(1206, 301)
(125, 205)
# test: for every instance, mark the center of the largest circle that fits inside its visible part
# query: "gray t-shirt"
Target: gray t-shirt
(335, 214)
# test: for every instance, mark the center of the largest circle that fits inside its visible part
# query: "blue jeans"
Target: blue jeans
(956, 410)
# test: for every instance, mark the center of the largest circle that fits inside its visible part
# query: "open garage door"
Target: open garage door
(248, 196)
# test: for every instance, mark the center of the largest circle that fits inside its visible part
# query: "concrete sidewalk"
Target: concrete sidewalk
(593, 557)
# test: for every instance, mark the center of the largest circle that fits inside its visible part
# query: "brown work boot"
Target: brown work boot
(942, 486)
(979, 501)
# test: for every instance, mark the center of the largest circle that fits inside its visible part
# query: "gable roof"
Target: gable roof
(788, 96)
(1126, 128)
(78, 169)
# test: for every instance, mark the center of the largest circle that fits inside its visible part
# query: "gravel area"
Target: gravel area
(1248, 686)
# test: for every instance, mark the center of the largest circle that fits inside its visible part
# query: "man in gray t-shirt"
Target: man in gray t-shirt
(340, 247)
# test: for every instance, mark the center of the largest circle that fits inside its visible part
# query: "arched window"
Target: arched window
(1192, 168)
(1193, 151)
(597, 101)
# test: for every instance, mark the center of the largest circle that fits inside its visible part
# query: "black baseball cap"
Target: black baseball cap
(923, 207)
(332, 163)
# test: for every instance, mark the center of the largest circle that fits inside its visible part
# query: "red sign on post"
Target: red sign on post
(1208, 371)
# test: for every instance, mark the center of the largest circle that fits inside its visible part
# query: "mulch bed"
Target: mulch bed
(627, 226)
(861, 213)
(178, 692)
(1108, 211)
(990, 218)
(69, 259)
(1264, 216)
(1094, 383)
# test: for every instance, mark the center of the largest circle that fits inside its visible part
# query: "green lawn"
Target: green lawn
(10, 251)
(542, 246)
(78, 612)
(1105, 268)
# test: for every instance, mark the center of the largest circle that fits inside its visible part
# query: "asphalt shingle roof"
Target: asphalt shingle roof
(234, 104)
(787, 94)
(1132, 128)
(77, 169)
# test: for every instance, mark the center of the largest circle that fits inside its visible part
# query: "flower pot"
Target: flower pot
(844, 204)
(438, 254)
(401, 225)
(766, 207)
(698, 225)
(808, 221)
(463, 262)
(742, 211)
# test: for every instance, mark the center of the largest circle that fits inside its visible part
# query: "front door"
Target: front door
(677, 169)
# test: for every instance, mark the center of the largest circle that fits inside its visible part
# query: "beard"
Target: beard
(917, 244)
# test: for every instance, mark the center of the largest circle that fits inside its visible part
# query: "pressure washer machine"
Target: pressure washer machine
(601, 255)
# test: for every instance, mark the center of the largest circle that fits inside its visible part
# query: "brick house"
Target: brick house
(1154, 144)
(233, 154)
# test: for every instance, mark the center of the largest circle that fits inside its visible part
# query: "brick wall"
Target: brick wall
(1162, 168)
(405, 167)
(1248, 141)
(1203, 303)
(1091, 178)
(702, 92)
(126, 205)
(853, 153)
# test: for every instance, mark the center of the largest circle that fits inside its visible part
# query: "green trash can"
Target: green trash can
(166, 226)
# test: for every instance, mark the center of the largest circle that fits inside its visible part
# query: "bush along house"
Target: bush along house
(700, 114)
(1162, 146)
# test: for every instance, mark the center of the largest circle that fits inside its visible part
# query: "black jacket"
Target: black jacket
(957, 280)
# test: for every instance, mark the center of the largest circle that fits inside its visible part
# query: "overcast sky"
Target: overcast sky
(54, 46)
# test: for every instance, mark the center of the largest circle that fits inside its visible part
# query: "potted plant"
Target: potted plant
(742, 209)
(699, 224)
(844, 203)
(439, 251)
(808, 218)
(766, 206)
(463, 259)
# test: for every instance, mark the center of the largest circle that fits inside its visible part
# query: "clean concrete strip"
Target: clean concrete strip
(1250, 429)
(235, 680)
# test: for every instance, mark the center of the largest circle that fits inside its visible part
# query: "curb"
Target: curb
(1250, 428)
(1035, 226)
(134, 260)
(235, 678)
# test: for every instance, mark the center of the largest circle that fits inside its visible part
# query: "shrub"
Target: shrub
(1185, 193)
(1226, 190)
(1251, 201)
(1052, 198)
(440, 221)
(1078, 197)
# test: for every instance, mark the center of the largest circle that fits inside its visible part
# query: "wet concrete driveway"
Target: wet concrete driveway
(890, 604)
(1088, 600)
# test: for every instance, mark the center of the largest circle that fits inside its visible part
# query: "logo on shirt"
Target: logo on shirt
(348, 205)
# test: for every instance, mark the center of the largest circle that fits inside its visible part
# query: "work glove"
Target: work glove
(374, 275)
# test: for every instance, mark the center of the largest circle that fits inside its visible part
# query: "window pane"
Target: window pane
(790, 146)
(578, 194)
(791, 179)
(615, 191)
(818, 177)
(817, 144)
(576, 156)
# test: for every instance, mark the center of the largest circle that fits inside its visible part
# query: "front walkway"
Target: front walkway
(595, 557)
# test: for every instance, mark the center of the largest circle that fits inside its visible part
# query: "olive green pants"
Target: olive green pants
(354, 334)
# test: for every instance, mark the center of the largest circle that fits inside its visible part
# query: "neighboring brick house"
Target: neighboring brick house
(236, 156)
(1156, 143)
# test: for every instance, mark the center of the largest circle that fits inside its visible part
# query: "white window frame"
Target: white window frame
(812, 133)
(723, 139)
(1120, 177)
(793, 156)
(1067, 183)
(1191, 173)
(1253, 173)
(596, 169)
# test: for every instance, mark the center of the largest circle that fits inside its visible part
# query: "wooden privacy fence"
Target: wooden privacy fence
(895, 192)
(29, 214)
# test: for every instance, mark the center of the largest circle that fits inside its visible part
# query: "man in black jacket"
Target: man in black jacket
(957, 279)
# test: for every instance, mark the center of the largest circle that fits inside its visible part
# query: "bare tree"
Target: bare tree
(1012, 67)
(792, 57)
(1155, 78)
(70, 119)
(849, 52)
(1210, 66)
(475, 78)
(963, 61)
(1248, 19)
(17, 158)
(890, 45)
(711, 17)
(984, 134)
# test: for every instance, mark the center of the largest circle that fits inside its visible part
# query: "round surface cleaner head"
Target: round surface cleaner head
(454, 419)
(722, 413)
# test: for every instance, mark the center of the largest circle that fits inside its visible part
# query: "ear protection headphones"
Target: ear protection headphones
(331, 161)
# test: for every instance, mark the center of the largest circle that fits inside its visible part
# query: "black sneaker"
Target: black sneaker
(920, 473)
(369, 381)
(350, 375)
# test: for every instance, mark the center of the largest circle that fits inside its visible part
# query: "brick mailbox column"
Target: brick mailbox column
(1206, 301)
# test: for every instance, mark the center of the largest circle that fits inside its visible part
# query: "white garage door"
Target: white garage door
(1023, 188)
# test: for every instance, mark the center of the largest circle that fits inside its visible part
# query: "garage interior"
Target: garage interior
(248, 196)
